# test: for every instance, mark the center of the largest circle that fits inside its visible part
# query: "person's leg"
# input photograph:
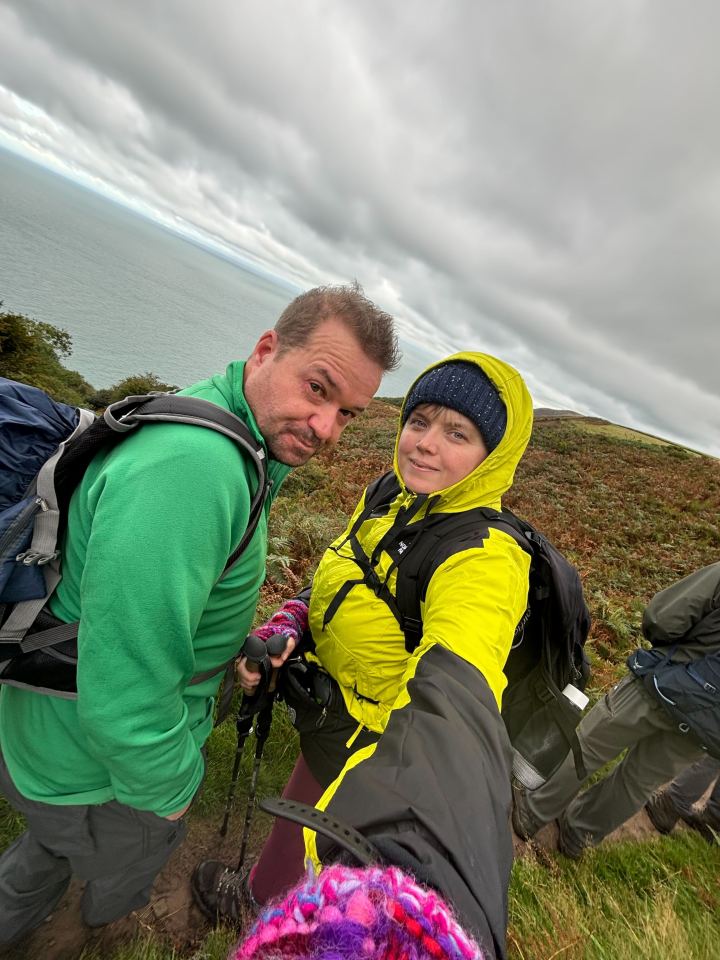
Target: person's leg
(652, 761)
(687, 788)
(32, 882)
(675, 801)
(712, 807)
(116, 849)
(604, 732)
(707, 820)
(35, 870)
(281, 861)
(131, 847)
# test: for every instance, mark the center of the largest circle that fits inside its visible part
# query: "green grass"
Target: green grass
(625, 901)
(215, 947)
(11, 823)
(627, 433)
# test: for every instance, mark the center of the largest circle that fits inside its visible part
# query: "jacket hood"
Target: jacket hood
(494, 476)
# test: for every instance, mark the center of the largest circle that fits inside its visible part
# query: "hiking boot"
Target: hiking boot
(662, 812)
(223, 894)
(705, 826)
(569, 843)
(524, 823)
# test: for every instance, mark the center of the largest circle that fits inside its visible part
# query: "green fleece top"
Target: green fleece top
(149, 532)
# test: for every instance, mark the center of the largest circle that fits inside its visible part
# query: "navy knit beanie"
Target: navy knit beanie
(466, 388)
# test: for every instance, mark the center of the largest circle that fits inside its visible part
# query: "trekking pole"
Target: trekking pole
(258, 654)
(262, 729)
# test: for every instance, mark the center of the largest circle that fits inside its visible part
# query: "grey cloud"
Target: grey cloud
(539, 180)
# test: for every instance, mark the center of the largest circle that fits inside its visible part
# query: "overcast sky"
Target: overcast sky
(539, 180)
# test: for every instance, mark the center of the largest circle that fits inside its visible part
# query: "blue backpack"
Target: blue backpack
(45, 448)
(690, 692)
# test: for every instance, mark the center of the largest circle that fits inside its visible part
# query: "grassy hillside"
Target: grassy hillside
(633, 516)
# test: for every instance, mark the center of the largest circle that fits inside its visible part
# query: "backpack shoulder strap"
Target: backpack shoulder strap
(378, 497)
(442, 537)
(380, 493)
(172, 408)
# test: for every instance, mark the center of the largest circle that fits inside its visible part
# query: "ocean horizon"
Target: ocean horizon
(134, 296)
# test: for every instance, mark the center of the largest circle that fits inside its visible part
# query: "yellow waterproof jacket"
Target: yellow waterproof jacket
(474, 599)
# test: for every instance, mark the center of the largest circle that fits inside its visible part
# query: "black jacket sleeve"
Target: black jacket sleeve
(686, 611)
(434, 796)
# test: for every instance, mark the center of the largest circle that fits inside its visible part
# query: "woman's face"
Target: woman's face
(437, 448)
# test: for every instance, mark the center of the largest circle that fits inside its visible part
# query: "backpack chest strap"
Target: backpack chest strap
(369, 578)
(368, 565)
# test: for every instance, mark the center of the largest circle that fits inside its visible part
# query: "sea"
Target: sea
(134, 296)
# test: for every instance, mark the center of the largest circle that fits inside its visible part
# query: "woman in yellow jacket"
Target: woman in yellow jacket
(420, 725)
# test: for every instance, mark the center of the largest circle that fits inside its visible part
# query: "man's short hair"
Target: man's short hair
(372, 327)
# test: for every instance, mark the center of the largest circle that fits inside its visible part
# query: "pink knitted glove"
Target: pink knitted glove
(290, 620)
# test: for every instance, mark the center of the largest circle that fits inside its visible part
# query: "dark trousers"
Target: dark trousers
(626, 718)
(117, 850)
(687, 788)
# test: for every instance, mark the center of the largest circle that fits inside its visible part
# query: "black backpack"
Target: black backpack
(45, 448)
(690, 692)
(547, 652)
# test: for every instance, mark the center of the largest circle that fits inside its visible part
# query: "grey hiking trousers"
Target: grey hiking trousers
(117, 850)
(686, 789)
(626, 717)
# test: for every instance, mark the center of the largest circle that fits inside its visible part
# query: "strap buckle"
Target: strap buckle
(341, 833)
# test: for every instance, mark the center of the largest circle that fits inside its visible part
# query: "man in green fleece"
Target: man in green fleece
(104, 781)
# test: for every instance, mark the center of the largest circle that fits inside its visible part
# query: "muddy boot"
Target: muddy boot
(569, 843)
(524, 823)
(662, 812)
(223, 894)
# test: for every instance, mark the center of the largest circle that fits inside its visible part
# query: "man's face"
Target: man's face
(304, 398)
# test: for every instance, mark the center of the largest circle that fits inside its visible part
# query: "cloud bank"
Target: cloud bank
(535, 180)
